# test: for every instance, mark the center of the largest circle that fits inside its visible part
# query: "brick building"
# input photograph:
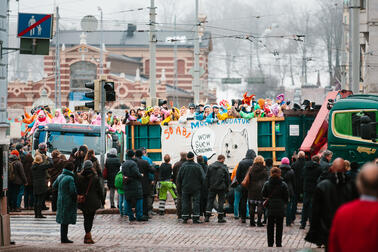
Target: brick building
(126, 62)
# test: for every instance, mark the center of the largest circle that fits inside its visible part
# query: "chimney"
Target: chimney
(131, 28)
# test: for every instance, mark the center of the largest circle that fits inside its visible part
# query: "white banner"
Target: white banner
(231, 137)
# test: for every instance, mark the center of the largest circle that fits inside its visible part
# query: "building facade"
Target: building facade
(126, 62)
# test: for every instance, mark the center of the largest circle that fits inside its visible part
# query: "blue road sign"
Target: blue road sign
(31, 25)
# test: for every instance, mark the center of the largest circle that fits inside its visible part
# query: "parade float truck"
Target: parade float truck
(347, 125)
(65, 137)
(271, 137)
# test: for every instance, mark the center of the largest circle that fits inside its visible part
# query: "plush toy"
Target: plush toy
(247, 99)
(173, 116)
(59, 118)
(156, 115)
(280, 99)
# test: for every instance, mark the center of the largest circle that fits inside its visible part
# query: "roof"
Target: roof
(172, 91)
(359, 101)
(120, 38)
(125, 58)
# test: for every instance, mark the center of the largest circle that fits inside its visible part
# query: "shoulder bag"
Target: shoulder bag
(246, 179)
(82, 197)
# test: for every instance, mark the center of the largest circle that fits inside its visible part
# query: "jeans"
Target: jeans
(138, 209)
(28, 196)
(13, 191)
(19, 196)
(278, 222)
(63, 232)
(210, 203)
(111, 195)
(122, 204)
(307, 208)
(289, 211)
(38, 204)
(187, 199)
(237, 196)
(88, 221)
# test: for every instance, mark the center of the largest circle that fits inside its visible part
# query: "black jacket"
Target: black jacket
(311, 174)
(258, 177)
(289, 178)
(176, 169)
(20, 178)
(94, 196)
(56, 169)
(217, 177)
(165, 172)
(244, 165)
(113, 165)
(298, 167)
(190, 178)
(133, 186)
(27, 163)
(145, 168)
(329, 195)
(276, 191)
(39, 178)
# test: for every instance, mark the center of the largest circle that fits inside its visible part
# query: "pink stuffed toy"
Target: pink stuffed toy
(59, 118)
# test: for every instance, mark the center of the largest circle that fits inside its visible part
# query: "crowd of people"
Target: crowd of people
(256, 190)
(249, 107)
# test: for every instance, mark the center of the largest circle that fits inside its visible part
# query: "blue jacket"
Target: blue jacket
(67, 198)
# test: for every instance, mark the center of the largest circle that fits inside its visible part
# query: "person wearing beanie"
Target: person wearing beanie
(39, 176)
(112, 166)
(88, 184)
(16, 178)
(133, 187)
(67, 200)
(190, 180)
(145, 169)
(289, 178)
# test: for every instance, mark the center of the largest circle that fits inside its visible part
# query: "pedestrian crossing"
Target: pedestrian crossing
(27, 228)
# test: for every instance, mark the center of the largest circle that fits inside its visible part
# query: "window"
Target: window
(181, 66)
(65, 141)
(348, 123)
(82, 72)
(147, 67)
(363, 4)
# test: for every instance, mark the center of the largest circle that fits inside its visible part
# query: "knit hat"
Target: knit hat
(215, 106)
(285, 160)
(206, 106)
(130, 153)
(42, 146)
(87, 164)
(15, 152)
(192, 105)
(190, 155)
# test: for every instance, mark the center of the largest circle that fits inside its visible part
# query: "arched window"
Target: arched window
(181, 66)
(82, 72)
(147, 67)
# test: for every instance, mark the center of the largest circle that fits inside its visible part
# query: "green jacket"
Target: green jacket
(67, 198)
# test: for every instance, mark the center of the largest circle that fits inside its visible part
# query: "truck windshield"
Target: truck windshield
(66, 141)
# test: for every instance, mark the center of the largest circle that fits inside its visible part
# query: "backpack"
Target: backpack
(12, 172)
(118, 180)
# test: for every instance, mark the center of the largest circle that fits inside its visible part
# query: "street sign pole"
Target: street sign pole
(102, 93)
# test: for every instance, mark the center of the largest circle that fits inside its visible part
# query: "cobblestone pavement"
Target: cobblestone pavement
(162, 233)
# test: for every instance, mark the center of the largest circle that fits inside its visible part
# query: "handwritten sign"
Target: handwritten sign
(203, 141)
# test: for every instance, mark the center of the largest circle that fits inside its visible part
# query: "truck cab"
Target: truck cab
(353, 130)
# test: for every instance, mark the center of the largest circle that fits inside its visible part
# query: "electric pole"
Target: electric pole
(196, 80)
(355, 46)
(175, 64)
(58, 97)
(102, 93)
(153, 41)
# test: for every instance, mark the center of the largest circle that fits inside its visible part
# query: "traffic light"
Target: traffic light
(109, 91)
(95, 95)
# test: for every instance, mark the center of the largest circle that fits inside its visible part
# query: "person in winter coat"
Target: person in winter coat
(311, 173)
(358, 233)
(133, 187)
(289, 178)
(166, 184)
(217, 181)
(67, 200)
(97, 169)
(275, 191)
(190, 180)
(88, 184)
(204, 192)
(325, 164)
(145, 168)
(27, 162)
(39, 169)
(175, 171)
(298, 167)
(242, 170)
(80, 158)
(258, 177)
(329, 195)
(112, 165)
(16, 178)
(54, 171)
